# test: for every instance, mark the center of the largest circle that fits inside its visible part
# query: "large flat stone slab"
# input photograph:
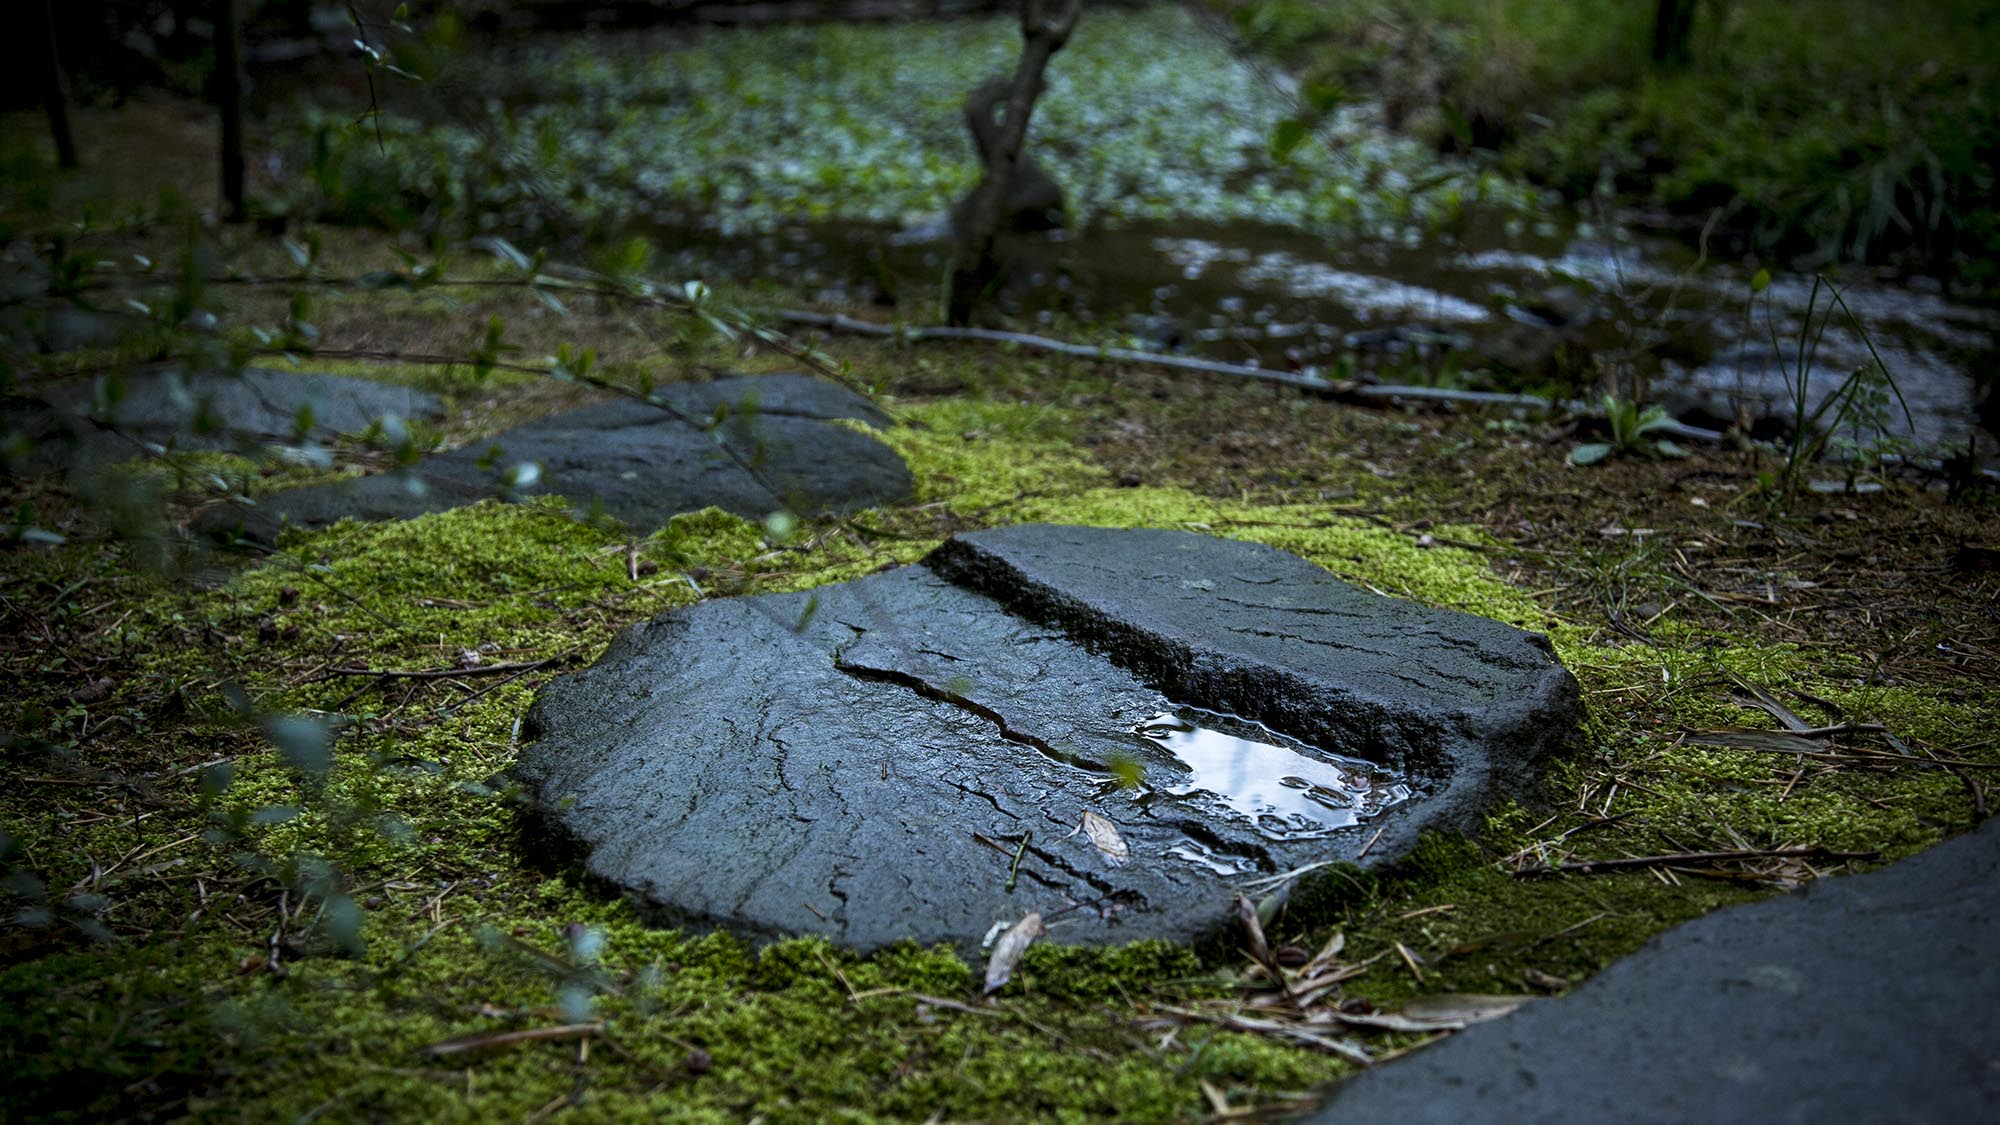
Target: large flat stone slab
(776, 446)
(911, 755)
(1869, 998)
(85, 424)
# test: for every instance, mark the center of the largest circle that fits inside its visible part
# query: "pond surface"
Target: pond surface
(826, 157)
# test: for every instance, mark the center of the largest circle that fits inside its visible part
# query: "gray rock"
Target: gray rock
(635, 462)
(1867, 998)
(66, 328)
(910, 755)
(83, 425)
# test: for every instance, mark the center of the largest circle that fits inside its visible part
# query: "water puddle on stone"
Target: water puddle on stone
(1287, 791)
(1200, 855)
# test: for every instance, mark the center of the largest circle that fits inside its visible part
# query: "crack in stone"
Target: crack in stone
(833, 888)
(984, 795)
(1097, 883)
(930, 690)
(1301, 610)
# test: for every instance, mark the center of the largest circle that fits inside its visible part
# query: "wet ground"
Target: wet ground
(826, 158)
(1562, 305)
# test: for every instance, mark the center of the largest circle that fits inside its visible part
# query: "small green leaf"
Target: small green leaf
(342, 923)
(1324, 97)
(216, 778)
(575, 1001)
(1760, 281)
(304, 742)
(1289, 135)
(586, 945)
(1669, 449)
(1589, 454)
(505, 249)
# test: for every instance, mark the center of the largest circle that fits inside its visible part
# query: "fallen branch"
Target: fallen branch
(1592, 866)
(1345, 390)
(837, 323)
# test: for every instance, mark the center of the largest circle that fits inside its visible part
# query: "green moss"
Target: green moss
(971, 455)
(470, 929)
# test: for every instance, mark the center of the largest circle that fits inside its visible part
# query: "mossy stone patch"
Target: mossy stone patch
(751, 445)
(89, 423)
(1030, 720)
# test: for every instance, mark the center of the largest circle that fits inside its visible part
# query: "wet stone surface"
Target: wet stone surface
(778, 445)
(911, 755)
(1862, 998)
(84, 424)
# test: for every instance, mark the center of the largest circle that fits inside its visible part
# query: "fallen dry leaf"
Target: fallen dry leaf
(1105, 835)
(1445, 1011)
(1547, 982)
(1008, 949)
(1253, 932)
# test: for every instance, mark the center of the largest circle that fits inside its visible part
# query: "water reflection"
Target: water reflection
(1287, 790)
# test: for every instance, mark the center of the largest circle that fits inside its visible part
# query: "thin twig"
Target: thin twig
(1592, 866)
(485, 1040)
(441, 673)
(1852, 757)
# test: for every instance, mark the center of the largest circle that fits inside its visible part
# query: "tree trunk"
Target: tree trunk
(1673, 26)
(229, 99)
(1045, 27)
(55, 91)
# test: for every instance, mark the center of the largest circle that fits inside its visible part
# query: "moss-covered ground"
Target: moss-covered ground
(206, 918)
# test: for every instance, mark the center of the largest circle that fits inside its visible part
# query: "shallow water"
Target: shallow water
(1283, 787)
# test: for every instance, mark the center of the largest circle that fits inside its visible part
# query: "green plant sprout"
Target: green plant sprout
(1631, 430)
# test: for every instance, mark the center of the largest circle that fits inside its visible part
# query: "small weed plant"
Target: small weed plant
(1633, 430)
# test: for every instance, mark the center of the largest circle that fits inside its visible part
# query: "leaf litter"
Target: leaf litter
(1298, 998)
